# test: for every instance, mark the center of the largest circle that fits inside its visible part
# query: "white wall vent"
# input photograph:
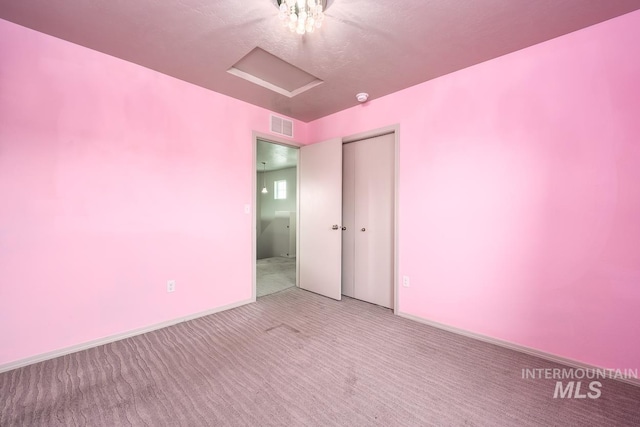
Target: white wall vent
(281, 126)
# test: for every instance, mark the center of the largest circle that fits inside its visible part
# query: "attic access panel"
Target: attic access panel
(267, 70)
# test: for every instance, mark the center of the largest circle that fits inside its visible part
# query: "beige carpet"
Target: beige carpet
(298, 359)
(274, 275)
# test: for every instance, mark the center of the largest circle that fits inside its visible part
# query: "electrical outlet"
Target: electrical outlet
(171, 286)
(405, 281)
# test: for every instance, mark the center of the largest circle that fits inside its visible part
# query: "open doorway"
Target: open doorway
(276, 216)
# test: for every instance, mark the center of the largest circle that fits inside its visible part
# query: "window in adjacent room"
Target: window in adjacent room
(280, 189)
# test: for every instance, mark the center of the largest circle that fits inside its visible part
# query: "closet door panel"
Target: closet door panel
(348, 219)
(374, 219)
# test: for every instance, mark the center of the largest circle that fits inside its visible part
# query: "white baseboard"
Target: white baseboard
(512, 346)
(112, 338)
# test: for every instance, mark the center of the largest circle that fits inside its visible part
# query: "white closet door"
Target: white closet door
(374, 219)
(348, 219)
(320, 189)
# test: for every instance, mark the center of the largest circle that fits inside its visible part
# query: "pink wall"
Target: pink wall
(114, 179)
(520, 194)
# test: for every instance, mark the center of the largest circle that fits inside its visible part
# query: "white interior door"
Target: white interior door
(320, 189)
(368, 214)
(374, 220)
(348, 219)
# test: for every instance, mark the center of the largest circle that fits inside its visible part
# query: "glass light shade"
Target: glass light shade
(301, 16)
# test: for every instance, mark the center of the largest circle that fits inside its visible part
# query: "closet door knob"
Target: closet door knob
(335, 227)
(363, 229)
(344, 228)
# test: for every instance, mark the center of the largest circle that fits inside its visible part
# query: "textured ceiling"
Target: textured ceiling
(364, 45)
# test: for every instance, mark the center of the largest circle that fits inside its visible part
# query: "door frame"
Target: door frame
(272, 139)
(395, 129)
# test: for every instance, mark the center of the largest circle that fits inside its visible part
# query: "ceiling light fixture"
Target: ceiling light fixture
(264, 178)
(302, 16)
